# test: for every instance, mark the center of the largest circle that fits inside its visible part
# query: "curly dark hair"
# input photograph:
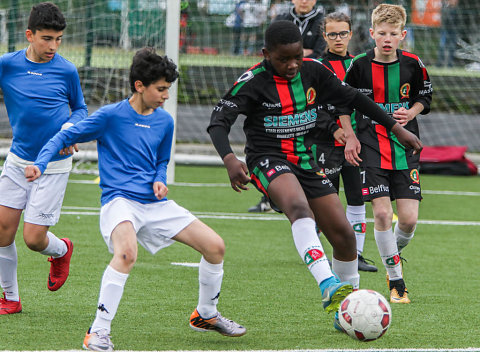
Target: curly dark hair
(148, 67)
(46, 15)
(281, 33)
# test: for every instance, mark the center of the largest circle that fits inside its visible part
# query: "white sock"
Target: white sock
(56, 247)
(210, 282)
(111, 290)
(356, 215)
(387, 247)
(8, 272)
(310, 249)
(347, 271)
(403, 238)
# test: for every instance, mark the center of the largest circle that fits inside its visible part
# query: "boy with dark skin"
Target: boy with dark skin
(281, 97)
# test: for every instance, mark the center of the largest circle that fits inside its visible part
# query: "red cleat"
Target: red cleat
(60, 268)
(9, 307)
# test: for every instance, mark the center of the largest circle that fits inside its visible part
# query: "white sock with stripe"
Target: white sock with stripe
(387, 247)
(357, 218)
(310, 249)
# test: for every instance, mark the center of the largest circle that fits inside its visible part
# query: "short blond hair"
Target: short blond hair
(392, 14)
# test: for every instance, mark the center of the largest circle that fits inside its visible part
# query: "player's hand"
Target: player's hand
(407, 138)
(32, 172)
(339, 136)
(69, 150)
(352, 150)
(160, 190)
(237, 172)
(403, 116)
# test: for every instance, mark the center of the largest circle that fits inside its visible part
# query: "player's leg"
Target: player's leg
(356, 214)
(45, 197)
(287, 193)
(407, 210)
(123, 241)
(207, 242)
(330, 216)
(9, 220)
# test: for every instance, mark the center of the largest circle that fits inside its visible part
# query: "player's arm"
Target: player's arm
(223, 117)
(86, 130)
(352, 144)
(163, 157)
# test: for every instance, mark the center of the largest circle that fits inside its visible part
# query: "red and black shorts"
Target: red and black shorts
(396, 184)
(314, 182)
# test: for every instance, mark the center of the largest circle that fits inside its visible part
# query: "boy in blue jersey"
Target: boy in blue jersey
(42, 95)
(134, 139)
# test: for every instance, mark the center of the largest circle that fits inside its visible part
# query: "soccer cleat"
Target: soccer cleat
(9, 307)
(262, 207)
(398, 292)
(218, 323)
(366, 264)
(60, 267)
(334, 294)
(98, 341)
(336, 323)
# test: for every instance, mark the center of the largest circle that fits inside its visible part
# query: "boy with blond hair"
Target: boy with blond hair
(399, 83)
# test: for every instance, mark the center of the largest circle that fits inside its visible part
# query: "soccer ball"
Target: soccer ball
(365, 315)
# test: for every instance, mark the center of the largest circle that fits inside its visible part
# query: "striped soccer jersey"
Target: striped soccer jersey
(339, 65)
(392, 85)
(281, 113)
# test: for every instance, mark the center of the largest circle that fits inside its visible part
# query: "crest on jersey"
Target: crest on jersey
(415, 176)
(405, 90)
(247, 76)
(311, 95)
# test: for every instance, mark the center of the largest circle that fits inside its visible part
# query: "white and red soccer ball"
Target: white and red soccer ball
(365, 315)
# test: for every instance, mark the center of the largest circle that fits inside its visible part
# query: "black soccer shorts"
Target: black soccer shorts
(314, 183)
(396, 184)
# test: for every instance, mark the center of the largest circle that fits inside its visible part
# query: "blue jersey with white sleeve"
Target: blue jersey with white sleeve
(39, 98)
(133, 149)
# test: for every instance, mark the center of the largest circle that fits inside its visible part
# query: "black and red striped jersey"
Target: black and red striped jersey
(328, 124)
(392, 85)
(281, 113)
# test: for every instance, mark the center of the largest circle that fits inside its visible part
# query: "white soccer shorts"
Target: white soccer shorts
(41, 199)
(155, 223)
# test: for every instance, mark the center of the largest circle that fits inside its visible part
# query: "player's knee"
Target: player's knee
(216, 248)
(128, 256)
(383, 216)
(34, 244)
(408, 225)
(298, 210)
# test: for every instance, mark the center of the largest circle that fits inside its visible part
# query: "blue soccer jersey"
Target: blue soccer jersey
(40, 98)
(133, 149)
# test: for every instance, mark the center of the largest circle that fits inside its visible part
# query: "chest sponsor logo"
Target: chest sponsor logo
(311, 95)
(141, 125)
(405, 90)
(390, 108)
(290, 126)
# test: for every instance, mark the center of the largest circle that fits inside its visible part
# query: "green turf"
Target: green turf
(266, 287)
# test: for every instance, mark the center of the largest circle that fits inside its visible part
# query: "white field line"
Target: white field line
(469, 349)
(186, 184)
(90, 211)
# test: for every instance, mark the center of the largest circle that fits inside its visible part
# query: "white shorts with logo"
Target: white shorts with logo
(155, 223)
(41, 199)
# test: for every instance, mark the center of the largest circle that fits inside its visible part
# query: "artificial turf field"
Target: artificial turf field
(266, 286)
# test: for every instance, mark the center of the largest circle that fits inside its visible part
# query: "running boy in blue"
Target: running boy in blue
(40, 89)
(134, 139)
